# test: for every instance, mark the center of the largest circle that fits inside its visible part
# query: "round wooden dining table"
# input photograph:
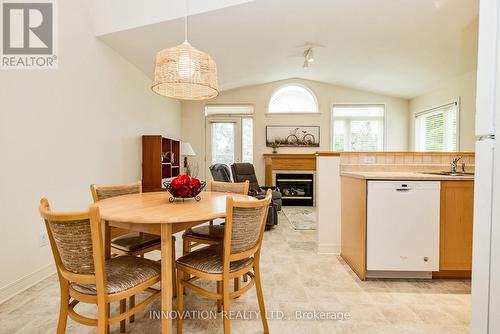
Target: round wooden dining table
(154, 213)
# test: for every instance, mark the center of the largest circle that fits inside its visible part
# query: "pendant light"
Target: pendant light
(184, 72)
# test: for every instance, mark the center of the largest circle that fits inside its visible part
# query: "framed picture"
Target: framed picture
(292, 136)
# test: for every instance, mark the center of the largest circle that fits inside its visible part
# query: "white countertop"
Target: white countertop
(405, 176)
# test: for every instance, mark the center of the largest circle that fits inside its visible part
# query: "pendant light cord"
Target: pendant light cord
(186, 23)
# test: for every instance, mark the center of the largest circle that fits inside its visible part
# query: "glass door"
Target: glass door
(229, 140)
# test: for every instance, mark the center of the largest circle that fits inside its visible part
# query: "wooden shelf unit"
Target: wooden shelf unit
(154, 168)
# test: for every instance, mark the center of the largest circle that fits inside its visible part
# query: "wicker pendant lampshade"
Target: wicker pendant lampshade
(186, 73)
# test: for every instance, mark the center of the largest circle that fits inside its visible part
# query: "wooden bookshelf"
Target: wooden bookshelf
(160, 161)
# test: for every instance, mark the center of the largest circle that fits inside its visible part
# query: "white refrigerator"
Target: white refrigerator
(486, 248)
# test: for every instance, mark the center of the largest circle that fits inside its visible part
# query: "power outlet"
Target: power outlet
(44, 239)
(370, 160)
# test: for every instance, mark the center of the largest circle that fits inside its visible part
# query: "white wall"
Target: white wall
(116, 15)
(64, 129)
(193, 119)
(328, 204)
(463, 88)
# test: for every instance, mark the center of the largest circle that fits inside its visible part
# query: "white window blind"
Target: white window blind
(436, 129)
(358, 128)
(247, 140)
(211, 110)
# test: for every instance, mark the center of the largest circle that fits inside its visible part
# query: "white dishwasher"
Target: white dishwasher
(402, 227)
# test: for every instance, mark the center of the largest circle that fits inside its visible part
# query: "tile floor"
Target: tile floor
(295, 279)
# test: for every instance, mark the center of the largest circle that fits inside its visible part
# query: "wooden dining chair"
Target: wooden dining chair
(239, 254)
(211, 234)
(85, 276)
(124, 242)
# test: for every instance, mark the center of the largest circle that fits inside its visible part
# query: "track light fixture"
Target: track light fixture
(308, 57)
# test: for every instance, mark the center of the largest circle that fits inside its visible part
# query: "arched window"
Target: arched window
(293, 98)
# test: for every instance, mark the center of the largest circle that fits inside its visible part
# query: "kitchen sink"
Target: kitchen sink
(448, 173)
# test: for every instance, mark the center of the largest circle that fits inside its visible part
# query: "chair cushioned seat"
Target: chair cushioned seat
(209, 260)
(205, 232)
(133, 242)
(123, 273)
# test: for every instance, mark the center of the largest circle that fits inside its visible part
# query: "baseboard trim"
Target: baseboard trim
(333, 249)
(25, 282)
(461, 274)
(399, 274)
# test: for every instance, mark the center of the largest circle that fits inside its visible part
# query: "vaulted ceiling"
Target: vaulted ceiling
(401, 48)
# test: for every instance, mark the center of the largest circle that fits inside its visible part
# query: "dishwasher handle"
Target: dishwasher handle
(403, 187)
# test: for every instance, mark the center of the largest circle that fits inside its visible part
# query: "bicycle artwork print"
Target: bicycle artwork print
(292, 136)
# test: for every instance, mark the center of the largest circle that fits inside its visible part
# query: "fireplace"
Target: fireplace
(296, 189)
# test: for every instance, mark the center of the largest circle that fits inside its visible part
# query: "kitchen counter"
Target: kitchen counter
(405, 176)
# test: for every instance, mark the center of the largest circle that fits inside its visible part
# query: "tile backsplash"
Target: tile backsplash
(404, 161)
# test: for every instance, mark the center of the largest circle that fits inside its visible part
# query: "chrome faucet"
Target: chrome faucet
(454, 164)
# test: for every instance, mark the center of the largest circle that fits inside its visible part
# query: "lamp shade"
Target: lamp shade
(186, 73)
(187, 150)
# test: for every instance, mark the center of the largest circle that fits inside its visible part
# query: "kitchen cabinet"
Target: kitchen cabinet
(456, 202)
(353, 220)
(457, 205)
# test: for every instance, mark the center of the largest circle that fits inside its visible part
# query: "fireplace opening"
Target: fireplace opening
(296, 189)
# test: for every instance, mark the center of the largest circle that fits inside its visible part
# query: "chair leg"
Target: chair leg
(219, 292)
(260, 297)
(236, 284)
(180, 300)
(226, 305)
(108, 328)
(102, 318)
(131, 302)
(174, 278)
(63, 308)
(123, 309)
(186, 249)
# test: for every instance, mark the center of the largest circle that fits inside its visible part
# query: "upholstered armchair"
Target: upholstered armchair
(246, 172)
(220, 172)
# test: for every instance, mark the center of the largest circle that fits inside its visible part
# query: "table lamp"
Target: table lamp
(187, 151)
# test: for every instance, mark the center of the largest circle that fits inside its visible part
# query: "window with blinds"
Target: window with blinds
(436, 129)
(358, 128)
